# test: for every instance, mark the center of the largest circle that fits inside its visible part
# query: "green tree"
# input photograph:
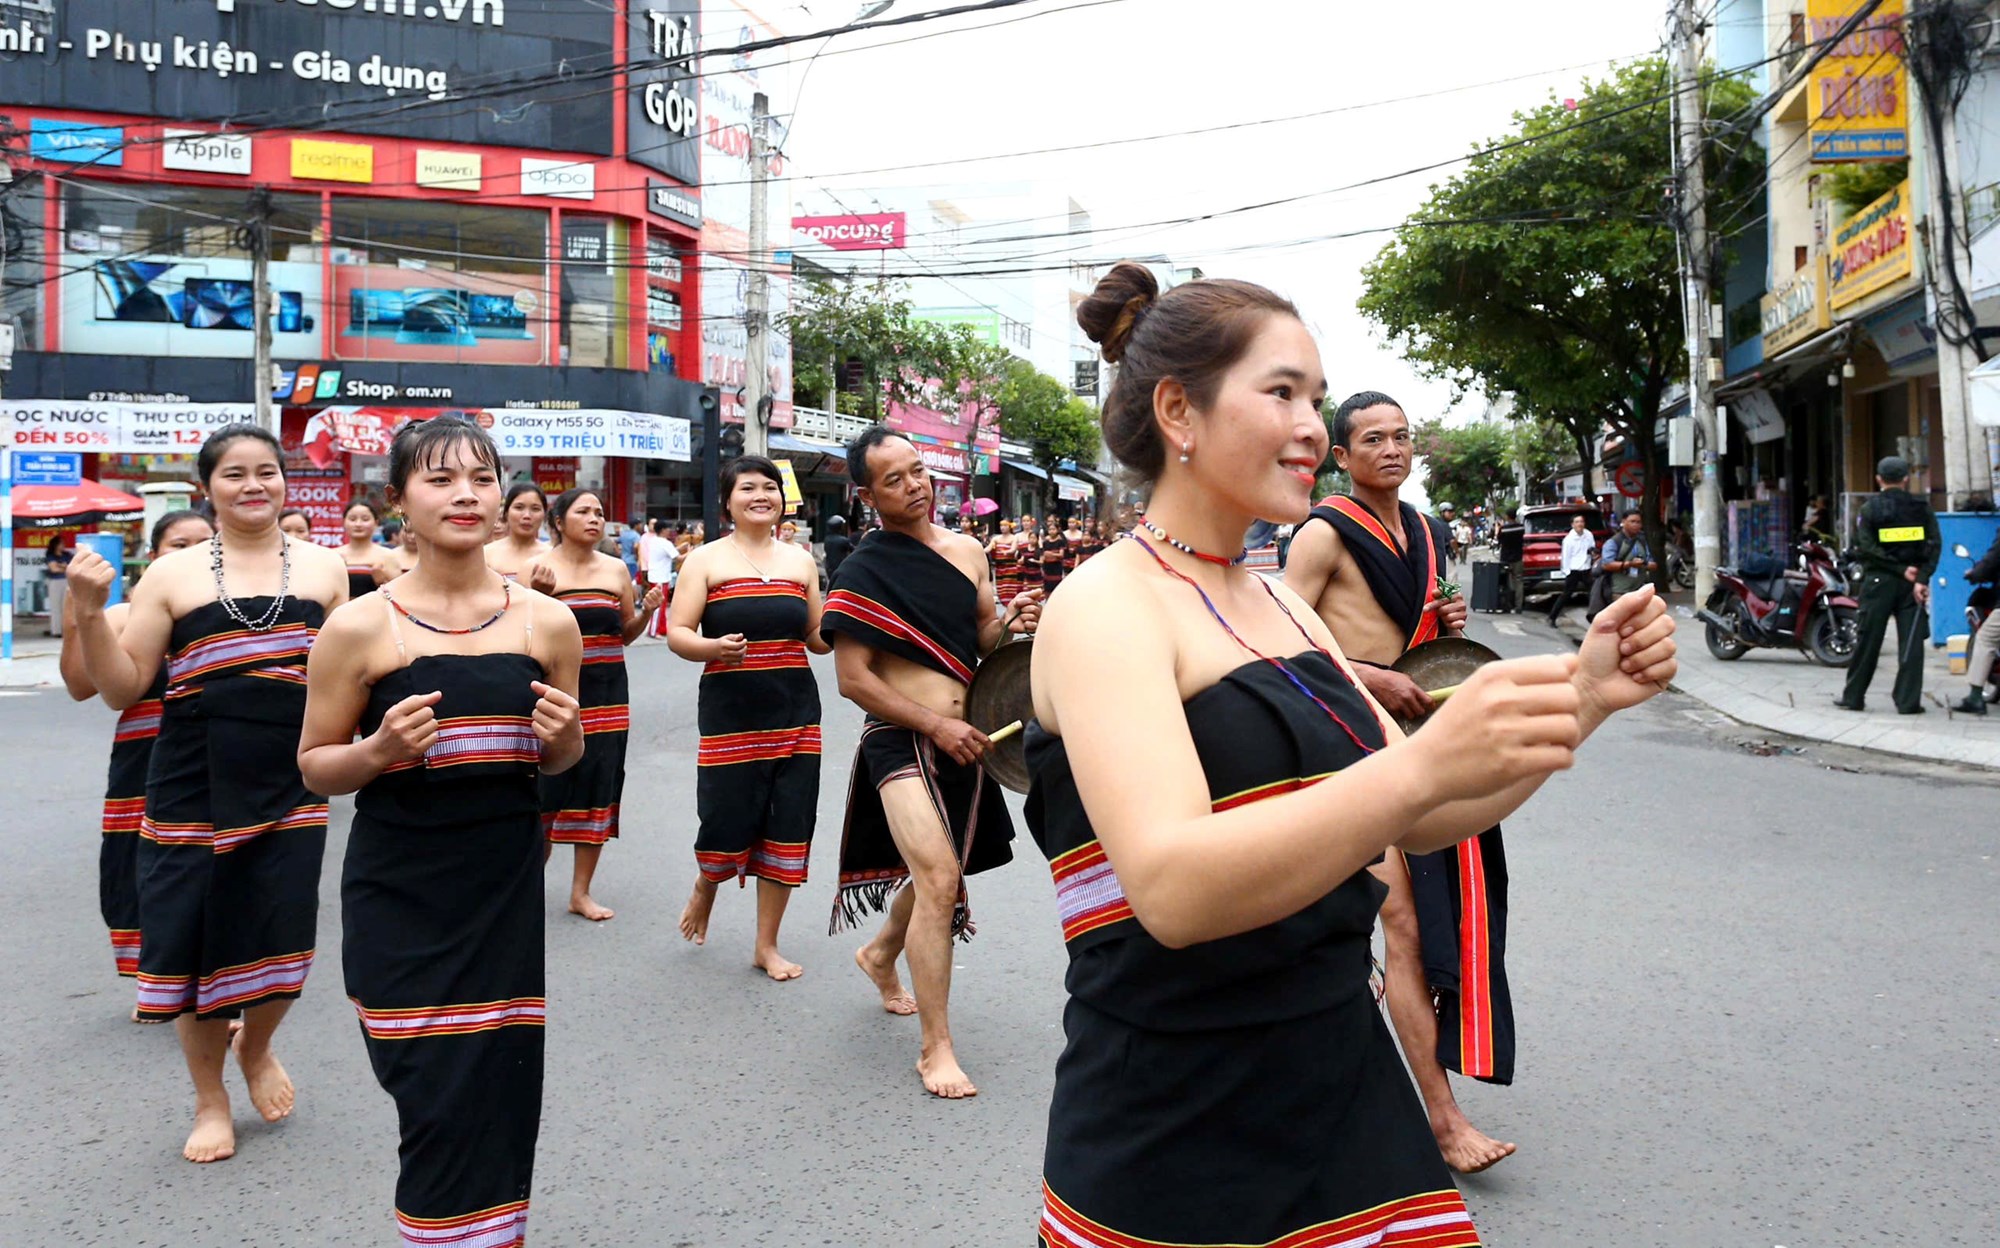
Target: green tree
(1040, 412)
(1467, 465)
(1549, 269)
(860, 339)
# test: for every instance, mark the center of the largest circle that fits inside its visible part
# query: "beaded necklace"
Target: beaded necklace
(1283, 670)
(269, 620)
(506, 600)
(1146, 523)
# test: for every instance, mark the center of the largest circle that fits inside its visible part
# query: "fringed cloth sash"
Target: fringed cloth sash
(898, 595)
(1402, 579)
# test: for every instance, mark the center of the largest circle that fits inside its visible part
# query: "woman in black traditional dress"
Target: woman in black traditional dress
(368, 564)
(1210, 784)
(459, 686)
(580, 806)
(131, 755)
(520, 542)
(747, 607)
(231, 841)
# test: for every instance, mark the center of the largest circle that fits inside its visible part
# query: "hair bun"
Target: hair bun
(1114, 309)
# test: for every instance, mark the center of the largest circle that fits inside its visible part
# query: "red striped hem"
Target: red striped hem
(1431, 1220)
(867, 611)
(125, 949)
(747, 587)
(123, 814)
(1475, 972)
(502, 1226)
(298, 817)
(582, 826)
(139, 721)
(1275, 788)
(452, 1020)
(767, 745)
(605, 719)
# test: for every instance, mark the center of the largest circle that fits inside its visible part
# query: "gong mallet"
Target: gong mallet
(1001, 734)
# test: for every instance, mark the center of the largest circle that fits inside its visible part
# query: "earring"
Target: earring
(1186, 447)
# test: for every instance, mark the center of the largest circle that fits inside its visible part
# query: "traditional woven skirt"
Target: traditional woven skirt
(124, 810)
(580, 806)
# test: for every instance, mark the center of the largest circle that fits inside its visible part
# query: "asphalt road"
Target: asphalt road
(1757, 997)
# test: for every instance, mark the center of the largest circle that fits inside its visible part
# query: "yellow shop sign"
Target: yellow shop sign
(1871, 249)
(322, 161)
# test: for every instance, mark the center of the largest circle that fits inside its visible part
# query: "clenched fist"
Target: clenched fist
(1509, 721)
(90, 579)
(557, 719)
(409, 729)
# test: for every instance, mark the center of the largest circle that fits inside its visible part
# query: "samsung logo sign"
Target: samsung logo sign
(481, 12)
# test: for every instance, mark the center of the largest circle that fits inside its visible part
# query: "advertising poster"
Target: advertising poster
(1858, 96)
(177, 305)
(385, 312)
(322, 494)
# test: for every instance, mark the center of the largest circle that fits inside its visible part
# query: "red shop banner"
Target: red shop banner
(322, 494)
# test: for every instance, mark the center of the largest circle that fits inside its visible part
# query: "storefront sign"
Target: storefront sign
(526, 431)
(1858, 98)
(553, 476)
(587, 243)
(663, 308)
(322, 494)
(73, 141)
(1796, 310)
(663, 115)
(946, 459)
(322, 161)
(449, 171)
(1903, 335)
(558, 179)
(49, 468)
(663, 263)
(664, 199)
(202, 151)
(1871, 249)
(1086, 378)
(115, 428)
(873, 231)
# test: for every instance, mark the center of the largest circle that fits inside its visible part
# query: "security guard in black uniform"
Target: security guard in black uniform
(1896, 535)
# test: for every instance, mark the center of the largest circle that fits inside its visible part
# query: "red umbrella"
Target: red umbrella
(52, 506)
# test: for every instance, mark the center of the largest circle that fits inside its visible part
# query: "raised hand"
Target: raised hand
(1451, 615)
(1510, 721)
(655, 595)
(1628, 655)
(730, 648)
(90, 578)
(408, 729)
(1024, 612)
(541, 578)
(557, 719)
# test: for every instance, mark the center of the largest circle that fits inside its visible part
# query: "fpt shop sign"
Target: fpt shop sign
(1871, 249)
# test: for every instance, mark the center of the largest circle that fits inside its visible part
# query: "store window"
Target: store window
(596, 276)
(446, 283)
(165, 270)
(22, 290)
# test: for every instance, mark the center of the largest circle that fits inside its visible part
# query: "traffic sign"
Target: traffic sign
(48, 468)
(1630, 478)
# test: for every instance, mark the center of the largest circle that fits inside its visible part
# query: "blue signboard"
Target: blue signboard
(49, 139)
(48, 468)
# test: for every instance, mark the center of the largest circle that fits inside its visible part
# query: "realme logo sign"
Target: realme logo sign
(322, 161)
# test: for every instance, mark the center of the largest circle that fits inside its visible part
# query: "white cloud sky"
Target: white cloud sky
(1136, 67)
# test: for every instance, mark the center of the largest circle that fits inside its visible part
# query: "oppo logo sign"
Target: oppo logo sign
(560, 179)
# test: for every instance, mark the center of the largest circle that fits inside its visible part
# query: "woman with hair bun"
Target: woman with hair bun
(580, 807)
(231, 841)
(1210, 783)
(520, 542)
(439, 699)
(131, 756)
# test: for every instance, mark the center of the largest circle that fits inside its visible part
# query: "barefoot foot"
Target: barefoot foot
(942, 1076)
(585, 905)
(213, 1137)
(270, 1087)
(694, 919)
(777, 965)
(147, 1022)
(895, 998)
(1467, 1149)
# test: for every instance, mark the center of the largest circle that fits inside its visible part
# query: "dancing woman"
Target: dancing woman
(1006, 560)
(580, 806)
(520, 543)
(1054, 555)
(131, 755)
(747, 608)
(438, 699)
(1210, 785)
(368, 564)
(231, 841)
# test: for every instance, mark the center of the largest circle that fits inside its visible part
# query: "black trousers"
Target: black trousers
(1575, 584)
(1884, 596)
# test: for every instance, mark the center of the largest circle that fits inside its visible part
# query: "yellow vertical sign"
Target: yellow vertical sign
(1858, 96)
(793, 499)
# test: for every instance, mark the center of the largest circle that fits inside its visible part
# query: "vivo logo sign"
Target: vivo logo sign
(67, 140)
(875, 231)
(561, 179)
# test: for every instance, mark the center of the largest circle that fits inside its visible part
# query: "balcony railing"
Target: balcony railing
(817, 422)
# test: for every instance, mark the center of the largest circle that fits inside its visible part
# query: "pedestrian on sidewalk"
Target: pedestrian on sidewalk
(1896, 536)
(1579, 556)
(1985, 642)
(1625, 564)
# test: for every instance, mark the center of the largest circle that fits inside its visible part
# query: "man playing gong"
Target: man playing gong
(1371, 570)
(909, 615)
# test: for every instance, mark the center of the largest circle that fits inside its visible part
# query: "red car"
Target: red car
(1545, 525)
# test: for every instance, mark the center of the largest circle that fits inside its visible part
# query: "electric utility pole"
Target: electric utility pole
(757, 295)
(259, 231)
(1693, 213)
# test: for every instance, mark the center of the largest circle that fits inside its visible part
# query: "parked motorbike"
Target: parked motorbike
(1763, 604)
(1977, 608)
(1680, 568)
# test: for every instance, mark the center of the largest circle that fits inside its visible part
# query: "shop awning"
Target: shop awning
(87, 502)
(1071, 490)
(805, 446)
(1030, 469)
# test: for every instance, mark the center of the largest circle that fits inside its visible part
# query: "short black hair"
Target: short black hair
(1628, 515)
(857, 453)
(423, 444)
(735, 469)
(1343, 416)
(210, 456)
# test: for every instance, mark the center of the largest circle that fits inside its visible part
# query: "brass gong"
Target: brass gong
(1441, 665)
(999, 696)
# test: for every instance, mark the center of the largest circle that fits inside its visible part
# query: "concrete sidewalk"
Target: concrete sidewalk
(1784, 691)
